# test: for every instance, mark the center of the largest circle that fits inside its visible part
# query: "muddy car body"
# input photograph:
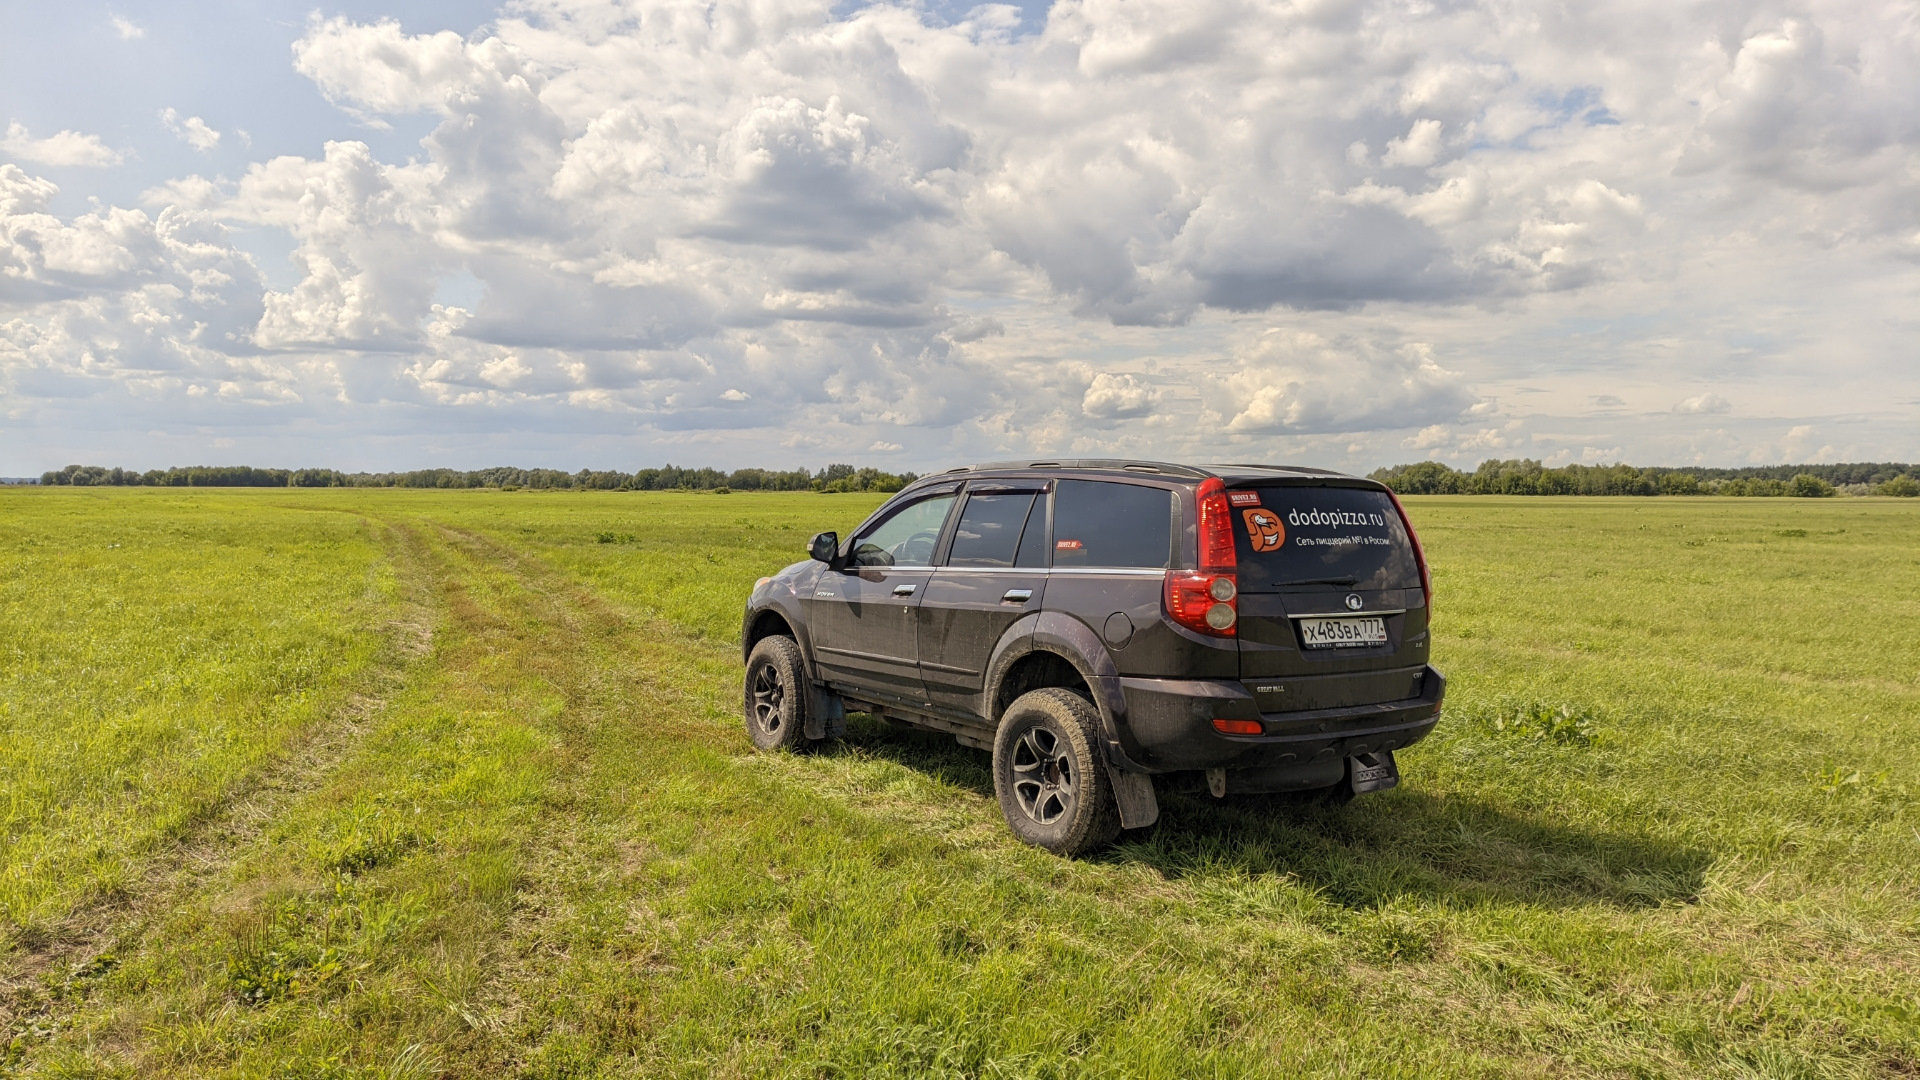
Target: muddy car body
(1254, 628)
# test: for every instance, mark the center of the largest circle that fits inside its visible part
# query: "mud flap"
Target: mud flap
(826, 715)
(1134, 793)
(1372, 772)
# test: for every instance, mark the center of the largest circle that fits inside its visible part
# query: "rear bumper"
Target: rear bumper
(1168, 726)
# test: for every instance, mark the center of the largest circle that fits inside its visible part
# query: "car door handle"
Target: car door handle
(903, 590)
(1017, 596)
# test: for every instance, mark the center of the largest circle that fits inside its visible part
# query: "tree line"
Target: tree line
(1525, 476)
(1519, 476)
(833, 478)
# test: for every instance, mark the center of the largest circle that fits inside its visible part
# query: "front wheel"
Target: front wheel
(1049, 776)
(776, 695)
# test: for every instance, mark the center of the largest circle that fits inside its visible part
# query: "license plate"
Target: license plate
(1342, 633)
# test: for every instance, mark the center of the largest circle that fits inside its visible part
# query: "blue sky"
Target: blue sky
(573, 232)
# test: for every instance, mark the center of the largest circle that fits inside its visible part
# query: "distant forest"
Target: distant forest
(833, 478)
(1521, 476)
(1524, 476)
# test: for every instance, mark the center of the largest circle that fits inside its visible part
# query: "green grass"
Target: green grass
(152, 654)
(348, 783)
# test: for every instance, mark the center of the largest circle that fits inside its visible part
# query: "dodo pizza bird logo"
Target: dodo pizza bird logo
(1265, 530)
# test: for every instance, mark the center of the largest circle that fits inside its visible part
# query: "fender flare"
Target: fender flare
(1075, 642)
(1015, 642)
(788, 608)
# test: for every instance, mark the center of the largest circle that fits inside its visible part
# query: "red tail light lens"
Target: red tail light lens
(1239, 727)
(1216, 528)
(1419, 553)
(1206, 601)
(1193, 601)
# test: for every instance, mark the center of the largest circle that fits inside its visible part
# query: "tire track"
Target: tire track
(45, 981)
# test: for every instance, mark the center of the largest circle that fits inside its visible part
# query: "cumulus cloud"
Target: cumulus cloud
(1111, 396)
(64, 148)
(1290, 382)
(1419, 147)
(1273, 221)
(191, 130)
(1704, 405)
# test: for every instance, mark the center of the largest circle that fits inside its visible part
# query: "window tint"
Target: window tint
(907, 537)
(1332, 536)
(989, 530)
(1033, 541)
(1101, 524)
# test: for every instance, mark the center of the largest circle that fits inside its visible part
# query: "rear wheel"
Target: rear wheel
(776, 695)
(1048, 775)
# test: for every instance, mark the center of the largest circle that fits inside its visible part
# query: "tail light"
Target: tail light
(1207, 600)
(1419, 553)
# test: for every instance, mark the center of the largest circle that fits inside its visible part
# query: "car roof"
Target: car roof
(1169, 470)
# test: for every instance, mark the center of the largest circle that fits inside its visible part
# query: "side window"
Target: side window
(906, 537)
(989, 529)
(1101, 524)
(1033, 541)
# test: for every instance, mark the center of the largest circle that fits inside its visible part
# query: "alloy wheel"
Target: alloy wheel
(768, 693)
(1045, 780)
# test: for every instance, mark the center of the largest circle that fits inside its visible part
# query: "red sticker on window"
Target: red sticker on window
(1244, 498)
(1068, 545)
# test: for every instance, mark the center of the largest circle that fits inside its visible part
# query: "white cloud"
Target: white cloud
(193, 131)
(1302, 383)
(383, 70)
(1447, 228)
(1111, 397)
(1704, 405)
(61, 149)
(1419, 147)
(126, 29)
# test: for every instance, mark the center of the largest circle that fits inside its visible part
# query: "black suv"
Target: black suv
(1098, 623)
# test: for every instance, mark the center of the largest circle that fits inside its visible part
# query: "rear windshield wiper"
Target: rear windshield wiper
(1319, 581)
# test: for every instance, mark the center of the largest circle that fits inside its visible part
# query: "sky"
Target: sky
(393, 234)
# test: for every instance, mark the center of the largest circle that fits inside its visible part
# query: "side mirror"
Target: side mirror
(824, 547)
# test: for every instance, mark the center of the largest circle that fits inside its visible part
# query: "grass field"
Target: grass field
(391, 784)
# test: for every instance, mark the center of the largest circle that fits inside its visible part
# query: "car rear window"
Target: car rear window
(1098, 524)
(1299, 535)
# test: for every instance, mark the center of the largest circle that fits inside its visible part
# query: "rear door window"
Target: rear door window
(1100, 524)
(989, 529)
(1323, 536)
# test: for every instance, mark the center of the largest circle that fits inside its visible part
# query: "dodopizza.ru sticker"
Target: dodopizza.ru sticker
(1264, 529)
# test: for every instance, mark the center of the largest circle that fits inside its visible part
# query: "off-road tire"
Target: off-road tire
(777, 695)
(1050, 776)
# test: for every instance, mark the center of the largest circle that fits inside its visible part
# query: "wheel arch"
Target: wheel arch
(1036, 668)
(774, 621)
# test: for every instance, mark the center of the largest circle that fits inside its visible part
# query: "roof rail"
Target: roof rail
(1162, 468)
(1274, 468)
